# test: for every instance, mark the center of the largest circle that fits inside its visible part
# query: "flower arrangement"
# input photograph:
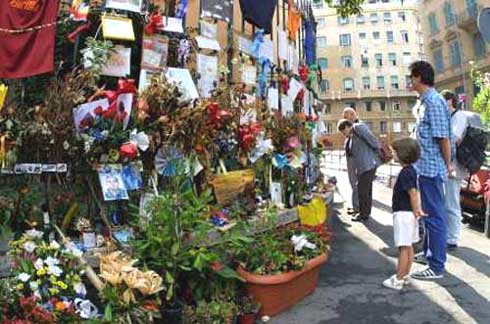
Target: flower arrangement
(481, 102)
(47, 276)
(129, 292)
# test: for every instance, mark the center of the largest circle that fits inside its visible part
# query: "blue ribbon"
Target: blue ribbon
(280, 161)
(265, 63)
(258, 40)
(181, 9)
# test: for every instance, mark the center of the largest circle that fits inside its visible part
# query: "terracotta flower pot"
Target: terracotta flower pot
(276, 293)
(247, 319)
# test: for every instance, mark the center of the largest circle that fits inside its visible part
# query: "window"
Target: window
(434, 29)
(348, 84)
(373, 17)
(322, 22)
(383, 129)
(394, 82)
(362, 39)
(343, 21)
(396, 106)
(392, 59)
(328, 109)
(368, 105)
(360, 19)
(389, 37)
(324, 86)
(346, 61)
(387, 17)
(397, 127)
(329, 128)
(345, 40)
(407, 58)
(350, 104)
(404, 34)
(411, 103)
(455, 54)
(382, 106)
(375, 35)
(479, 46)
(321, 42)
(408, 81)
(364, 61)
(379, 59)
(438, 60)
(323, 63)
(380, 80)
(401, 16)
(449, 14)
(366, 83)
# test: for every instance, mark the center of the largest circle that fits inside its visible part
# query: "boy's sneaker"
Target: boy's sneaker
(393, 283)
(407, 280)
(426, 274)
(420, 258)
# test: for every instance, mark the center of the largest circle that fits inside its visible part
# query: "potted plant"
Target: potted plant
(283, 262)
(248, 309)
(213, 312)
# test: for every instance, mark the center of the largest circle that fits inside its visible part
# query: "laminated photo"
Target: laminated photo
(112, 183)
(119, 63)
(155, 52)
(131, 174)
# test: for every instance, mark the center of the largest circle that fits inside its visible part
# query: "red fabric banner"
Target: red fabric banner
(32, 52)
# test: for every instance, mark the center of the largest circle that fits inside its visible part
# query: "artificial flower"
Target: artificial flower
(128, 150)
(55, 270)
(112, 277)
(80, 288)
(50, 261)
(33, 233)
(54, 245)
(61, 306)
(140, 139)
(41, 272)
(85, 308)
(151, 283)
(29, 246)
(24, 277)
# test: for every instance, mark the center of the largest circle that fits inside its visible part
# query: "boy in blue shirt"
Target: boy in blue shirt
(406, 209)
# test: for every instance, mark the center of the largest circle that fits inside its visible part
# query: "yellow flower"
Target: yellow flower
(114, 278)
(41, 272)
(61, 284)
(53, 291)
(20, 286)
(152, 283)
(128, 296)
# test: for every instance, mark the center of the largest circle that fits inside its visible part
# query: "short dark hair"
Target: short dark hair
(407, 149)
(423, 70)
(449, 95)
(343, 124)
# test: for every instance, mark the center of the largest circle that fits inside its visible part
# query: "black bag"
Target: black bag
(471, 152)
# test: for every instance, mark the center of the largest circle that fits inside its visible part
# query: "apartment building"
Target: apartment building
(452, 41)
(364, 61)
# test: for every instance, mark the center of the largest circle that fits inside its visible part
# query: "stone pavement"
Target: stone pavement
(362, 256)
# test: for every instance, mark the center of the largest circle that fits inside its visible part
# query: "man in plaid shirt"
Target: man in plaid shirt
(433, 132)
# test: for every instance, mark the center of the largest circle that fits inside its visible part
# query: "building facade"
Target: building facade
(452, 41)
(364, 61)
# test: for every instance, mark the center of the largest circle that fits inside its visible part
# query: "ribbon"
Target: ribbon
(280, 161)
(304, 71)
(181, 9)
(258, 40)
(123, 86)
(266, 68)
(155, 22)
(80, 29)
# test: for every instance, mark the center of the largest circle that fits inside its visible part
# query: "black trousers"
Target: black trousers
(365, 192)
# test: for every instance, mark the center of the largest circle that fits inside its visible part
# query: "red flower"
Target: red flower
(99, 111)
(129, 150)
(110, 113)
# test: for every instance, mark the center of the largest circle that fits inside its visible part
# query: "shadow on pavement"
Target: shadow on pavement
(473, 258)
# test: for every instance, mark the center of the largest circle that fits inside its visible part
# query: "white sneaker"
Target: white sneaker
(407, 280)
(426, 274)
(393, 283)
(420, 258)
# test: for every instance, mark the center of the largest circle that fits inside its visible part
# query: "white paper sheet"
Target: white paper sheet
(207, 67)
(184, 79)
(273, 98)
(294, 88)
(249, 75)
(282, 44)
(209, 30)
(173, 25)
(276, 193)
(129, 5)
(208, 43)
(286, 105)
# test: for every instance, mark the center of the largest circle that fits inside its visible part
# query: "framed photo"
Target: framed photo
(114, 27)
(129, 5)
(131, 174)
(155, 52)
(112, 183)
(119, 63)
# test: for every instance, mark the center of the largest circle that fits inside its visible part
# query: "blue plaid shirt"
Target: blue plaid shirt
(433, 123)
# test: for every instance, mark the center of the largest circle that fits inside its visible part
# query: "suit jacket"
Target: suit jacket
(365, 149)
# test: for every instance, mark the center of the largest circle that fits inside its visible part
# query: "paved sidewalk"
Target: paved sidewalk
(362, 256)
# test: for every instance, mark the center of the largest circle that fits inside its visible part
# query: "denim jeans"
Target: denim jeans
(452, 187)
(432, 196)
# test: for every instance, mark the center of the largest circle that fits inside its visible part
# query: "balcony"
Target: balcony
(467, 19)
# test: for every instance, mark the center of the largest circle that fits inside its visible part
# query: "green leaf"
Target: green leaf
(170, 292)
(198, 263)
(108, 313)
(169, 278)
(175, 249)
(229, 273)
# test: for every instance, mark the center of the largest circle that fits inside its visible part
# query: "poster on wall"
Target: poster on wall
(209, 30)
(155, 52)
(129, 5)
(219, 9)
(207, 67)
(249, 75)
(119, 63)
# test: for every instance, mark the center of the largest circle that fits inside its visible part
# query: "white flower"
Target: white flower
(72, 249)
(50, 261)
(34, 233)
(80, 288)
(38, 264)
(33, 285)
(37, 294)
(29, 246)
(55, 270)
(24, 277)
(54, 245)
